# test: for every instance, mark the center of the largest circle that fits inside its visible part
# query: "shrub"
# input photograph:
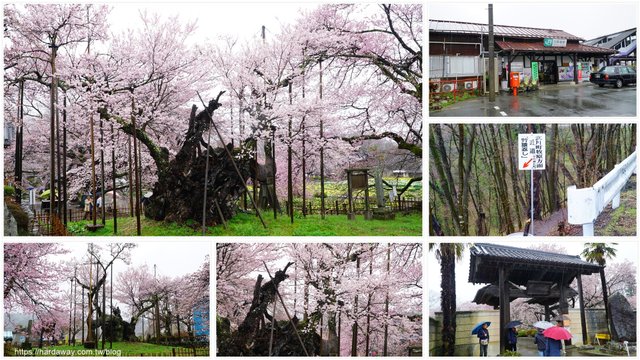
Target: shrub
(532, 332)
(522, 333)
(9, 191)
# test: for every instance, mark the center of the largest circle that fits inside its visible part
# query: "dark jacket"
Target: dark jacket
(541, 341)
(483, 334)
(512, 336)
(554, 347)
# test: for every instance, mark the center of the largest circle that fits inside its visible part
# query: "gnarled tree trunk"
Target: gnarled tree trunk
(179, 193)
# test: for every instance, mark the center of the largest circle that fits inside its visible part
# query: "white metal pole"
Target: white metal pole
(531, 227)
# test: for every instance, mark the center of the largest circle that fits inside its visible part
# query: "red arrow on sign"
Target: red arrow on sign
(527, 163)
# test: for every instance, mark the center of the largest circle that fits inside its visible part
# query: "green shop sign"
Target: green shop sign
(549, 42)
(534, 72)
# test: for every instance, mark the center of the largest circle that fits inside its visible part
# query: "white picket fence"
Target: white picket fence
(584, 205)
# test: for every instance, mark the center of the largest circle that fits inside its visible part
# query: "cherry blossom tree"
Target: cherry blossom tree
(620, 278)
(358, 298)
(32, 285)
(92, 276)
(296, 103)
(389, 40)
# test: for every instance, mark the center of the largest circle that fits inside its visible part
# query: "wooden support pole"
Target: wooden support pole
(503, 282)
(130, 179)
(64, 161)
(287, 312)
(322, 204)
(136, 165)
(354, 329)
(102, 204)
(233, 162)
(289, 163)
(113, 182)
(583, 318)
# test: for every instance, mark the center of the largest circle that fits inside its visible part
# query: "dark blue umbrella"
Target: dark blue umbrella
(478, 326)
(512, 324)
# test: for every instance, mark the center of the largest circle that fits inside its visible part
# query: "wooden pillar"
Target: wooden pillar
(505, 305)
(605, 298)
(547, 313)
(575, 69)
(366, 196)
(583, 319)
(350, 215)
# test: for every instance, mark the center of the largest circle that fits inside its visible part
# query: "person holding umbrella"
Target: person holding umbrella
(541, 342)
(483, 335)
(555, 335)
(512, 335)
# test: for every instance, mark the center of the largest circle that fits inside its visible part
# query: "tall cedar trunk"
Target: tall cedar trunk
(448, 298)
(513, 171)
(443, 168)
(466, 183)
(552, 173)
(462, 207)
(632, 140)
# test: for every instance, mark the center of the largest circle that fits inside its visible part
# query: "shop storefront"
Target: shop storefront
(459, 53)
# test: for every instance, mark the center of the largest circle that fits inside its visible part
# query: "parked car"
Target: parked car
(617, 75)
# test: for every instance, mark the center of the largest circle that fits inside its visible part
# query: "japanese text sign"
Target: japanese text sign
(531, 152)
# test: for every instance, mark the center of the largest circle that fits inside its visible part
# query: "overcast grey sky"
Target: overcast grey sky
(173, 258)
(584, 19)
(466, 291)
(241, 19)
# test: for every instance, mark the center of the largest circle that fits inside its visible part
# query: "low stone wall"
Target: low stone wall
(466, 344)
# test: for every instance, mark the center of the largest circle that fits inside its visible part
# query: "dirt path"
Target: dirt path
(552, 225)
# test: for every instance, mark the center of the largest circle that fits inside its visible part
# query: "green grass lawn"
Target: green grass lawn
(119, 349)
(249, 225)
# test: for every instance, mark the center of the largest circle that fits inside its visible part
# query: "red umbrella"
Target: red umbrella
(557, 333)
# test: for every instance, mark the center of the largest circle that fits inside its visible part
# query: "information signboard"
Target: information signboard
(531, 152)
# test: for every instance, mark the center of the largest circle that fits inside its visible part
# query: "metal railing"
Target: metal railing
(584, 205)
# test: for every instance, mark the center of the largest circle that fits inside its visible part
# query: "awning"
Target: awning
(538, 47)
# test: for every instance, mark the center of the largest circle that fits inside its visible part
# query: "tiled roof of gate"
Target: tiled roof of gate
(446, 26)
(527, 255)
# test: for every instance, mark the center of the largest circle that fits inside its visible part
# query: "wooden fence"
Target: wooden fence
(340, 206)
(334, 206)
(40, 224)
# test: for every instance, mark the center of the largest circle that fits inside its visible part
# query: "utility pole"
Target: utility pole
(492, 65)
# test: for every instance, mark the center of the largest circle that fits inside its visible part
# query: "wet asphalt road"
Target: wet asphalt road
(561, 100)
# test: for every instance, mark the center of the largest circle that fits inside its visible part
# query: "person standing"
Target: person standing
(541, 342)
(512, 339)
(88, 205)
(483, 335)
